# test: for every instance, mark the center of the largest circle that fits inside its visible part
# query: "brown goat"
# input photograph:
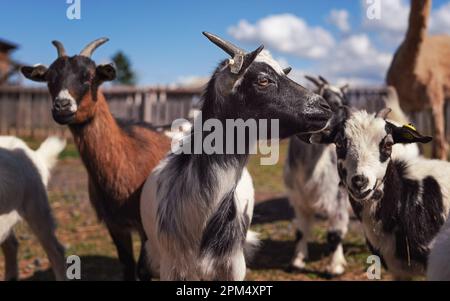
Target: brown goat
(118, 156)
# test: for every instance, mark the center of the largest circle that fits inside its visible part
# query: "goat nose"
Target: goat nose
(61, 103)
(359, 181)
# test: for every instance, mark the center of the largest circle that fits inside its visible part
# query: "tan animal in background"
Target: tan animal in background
(420, 72)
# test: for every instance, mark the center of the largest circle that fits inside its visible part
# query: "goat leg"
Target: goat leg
(10, 248)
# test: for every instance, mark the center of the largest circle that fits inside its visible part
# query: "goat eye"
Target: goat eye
(388, 145)
(263, 82)
(86, 77)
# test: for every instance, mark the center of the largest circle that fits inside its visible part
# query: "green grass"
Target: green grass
(70, 151)
(268, 179)
(81, 233)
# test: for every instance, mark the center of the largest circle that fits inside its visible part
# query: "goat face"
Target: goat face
(364, 145)
(334, 95)
(260, 89)
(73, 83)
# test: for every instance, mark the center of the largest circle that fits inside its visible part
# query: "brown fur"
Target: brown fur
(118, 160)
(420, 72)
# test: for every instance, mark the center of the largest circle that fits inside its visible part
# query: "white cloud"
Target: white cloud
(392, 25)
(282, 61)
(393, 20)
(339, 18)
(354, 60)
(440, 20)
(286, 33)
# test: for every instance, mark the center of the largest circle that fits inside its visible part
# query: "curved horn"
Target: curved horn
(323, 80)
(60, 48)
(383, 113)
(90, 48)
(287, 70)
(313, 80)
(226, 46)
(344, 87)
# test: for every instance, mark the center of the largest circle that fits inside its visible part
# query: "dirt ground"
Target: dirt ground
(82, 235)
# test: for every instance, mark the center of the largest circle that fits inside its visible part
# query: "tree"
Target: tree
(125, 74)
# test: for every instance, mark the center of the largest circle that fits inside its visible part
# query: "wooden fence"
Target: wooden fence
(25, 111)
(373, 99)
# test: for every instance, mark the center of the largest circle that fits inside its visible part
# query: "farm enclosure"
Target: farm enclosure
(25, 111)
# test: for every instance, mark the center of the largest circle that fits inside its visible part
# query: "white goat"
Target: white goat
(312, 181)
(196, 208)
(312, 185)
(402, 201)
(24, 175)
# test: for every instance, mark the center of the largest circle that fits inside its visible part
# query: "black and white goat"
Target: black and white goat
(402, 201)
(312, 185)
(195, 209)
(24, 175)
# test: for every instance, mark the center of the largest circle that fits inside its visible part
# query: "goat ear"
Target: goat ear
(287, 70)
(249, 58)
(105, 72)
(35, 73)
(406, 134)
(314, 80)
(344, 88)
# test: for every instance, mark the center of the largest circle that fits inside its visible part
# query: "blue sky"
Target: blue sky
(164, 42)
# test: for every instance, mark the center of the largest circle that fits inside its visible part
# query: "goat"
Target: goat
(438, 268)
(24, 176)
(401, 201)
(196, 208)
(312, 185)
(118, 155)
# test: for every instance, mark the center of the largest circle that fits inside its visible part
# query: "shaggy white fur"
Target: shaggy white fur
(24, 175)
(364, 133)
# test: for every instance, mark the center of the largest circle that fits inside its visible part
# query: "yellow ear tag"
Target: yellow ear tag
(410, 126)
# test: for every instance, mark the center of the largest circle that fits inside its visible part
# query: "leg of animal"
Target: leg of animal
(123, 241)
(303, 222)
(238, 267)
(440, 146)
(42, 224)
(10, 248)
(338, 226)
(143, 269)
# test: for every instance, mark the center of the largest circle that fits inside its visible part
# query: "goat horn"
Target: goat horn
(323, 80)
(313, 80)
(287, 70)
(226, 46)
(60, 48)
(383, 113)
(90, 48)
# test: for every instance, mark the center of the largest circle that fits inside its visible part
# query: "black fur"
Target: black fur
(297, 109)
(341, 151)
(356, 206)
(342, 172)
(298, 236)
(334, 238)
(224, 229)
(385, 153)
(414, 223)
(377, 253)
